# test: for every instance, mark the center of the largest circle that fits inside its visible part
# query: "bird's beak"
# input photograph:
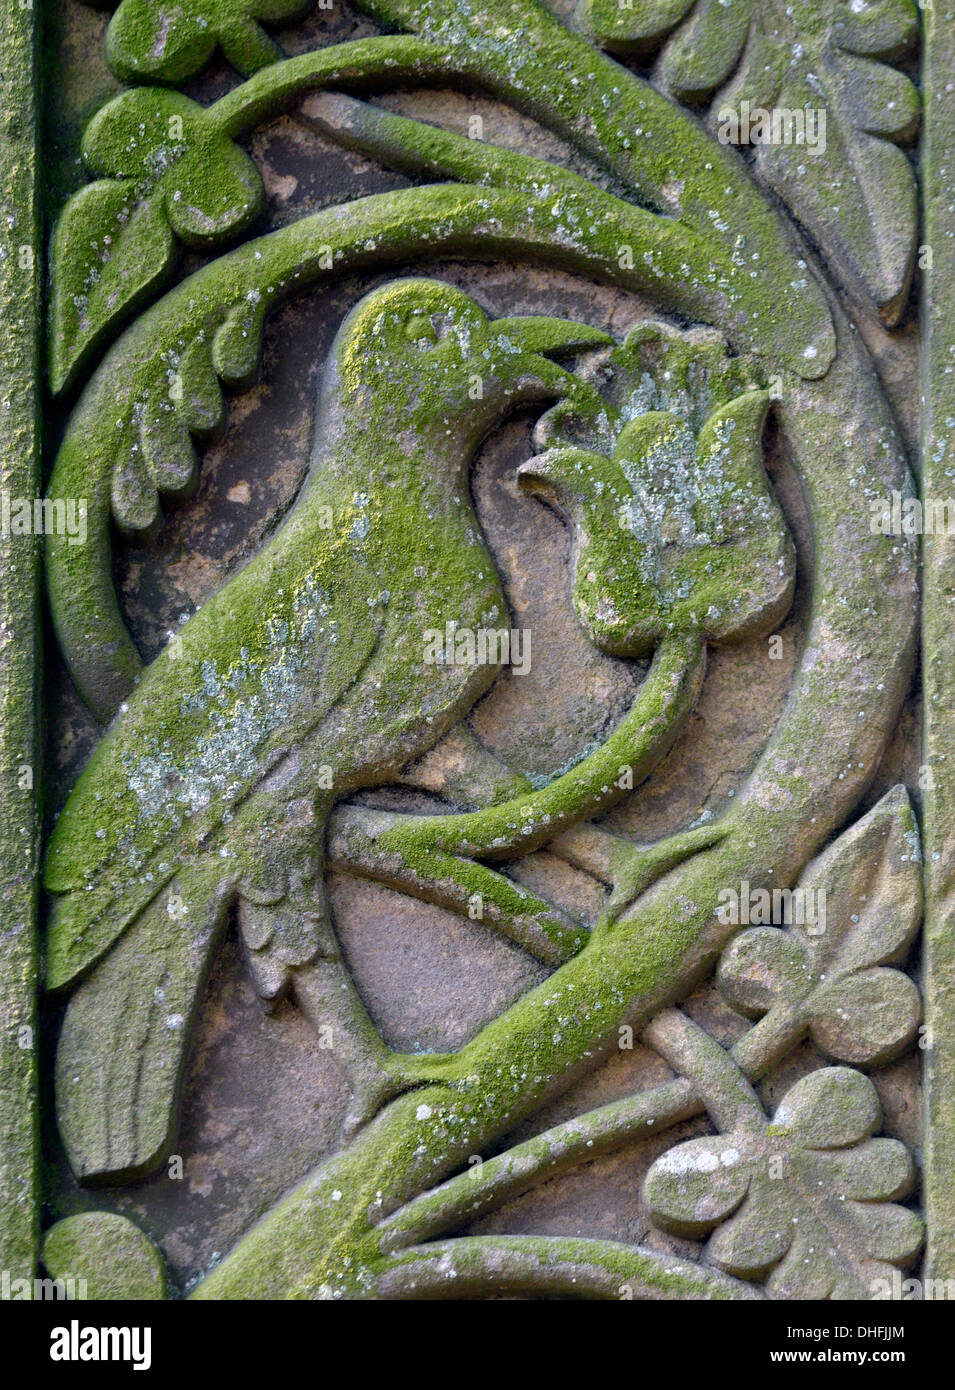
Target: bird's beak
(545, 336)
(541, 474)
(526, 343)
(572, 478)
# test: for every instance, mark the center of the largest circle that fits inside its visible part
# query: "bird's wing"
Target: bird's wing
(250, 676)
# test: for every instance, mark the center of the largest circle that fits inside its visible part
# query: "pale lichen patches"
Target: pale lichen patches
(238, 708)
(674, 524)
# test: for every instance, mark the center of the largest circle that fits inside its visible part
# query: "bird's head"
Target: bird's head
(419, 355)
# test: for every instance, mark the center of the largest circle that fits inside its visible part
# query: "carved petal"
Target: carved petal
(830, 1109)
(143, 43)
(695, 1185)
(762, 966)
(871, 1017)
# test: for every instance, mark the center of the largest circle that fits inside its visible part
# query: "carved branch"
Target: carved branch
(487, 1185)
(480, 1266)
(454, 883)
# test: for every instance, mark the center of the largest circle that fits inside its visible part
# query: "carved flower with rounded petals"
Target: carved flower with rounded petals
(147, 42)
(808, 1199)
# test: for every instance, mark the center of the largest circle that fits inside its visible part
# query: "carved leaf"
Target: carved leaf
(832, 970)
(111, 1255)
(701, 55)
(156, 456)
(170, 42)
(110, 248)
(169, 174)
(848, 183)
(810, 1196)
(856, 194)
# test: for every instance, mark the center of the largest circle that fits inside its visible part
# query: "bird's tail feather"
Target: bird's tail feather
(123, 1046)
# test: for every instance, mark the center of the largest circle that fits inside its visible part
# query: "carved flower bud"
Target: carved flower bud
(673, 530)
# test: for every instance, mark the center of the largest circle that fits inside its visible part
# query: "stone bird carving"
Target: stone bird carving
(300, 681)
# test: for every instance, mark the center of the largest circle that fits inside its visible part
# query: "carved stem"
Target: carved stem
(506, 907)
(478, 1266)
(525, 55)
(486, 1186)
(715, 1077)
(422, 855)
(392, 58)
(416, 148)
(637, 745)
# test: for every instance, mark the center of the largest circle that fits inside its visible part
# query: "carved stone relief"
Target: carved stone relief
(479, 477)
